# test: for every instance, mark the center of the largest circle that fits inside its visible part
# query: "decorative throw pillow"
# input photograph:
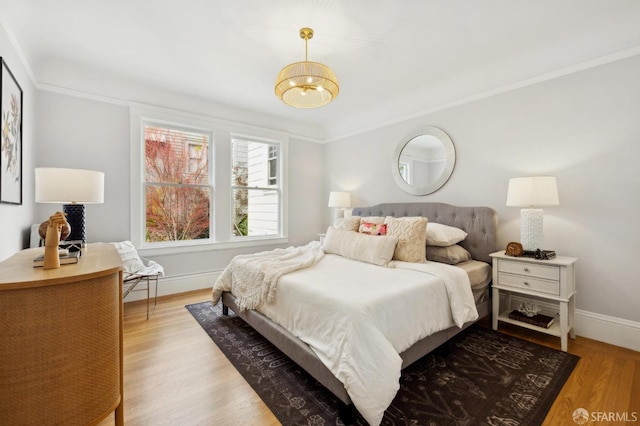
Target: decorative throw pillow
(443, 235)
(361, 247)
(451, 255)
(412, 234)
(351, 223)
(373, 219)
(373, 228)
(131, 262)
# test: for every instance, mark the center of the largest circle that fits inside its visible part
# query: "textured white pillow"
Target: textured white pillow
(376, 249)
(443, 235)
(351, 223)
(131, 262)
(412, 235)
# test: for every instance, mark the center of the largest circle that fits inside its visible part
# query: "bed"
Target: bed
(480, 225)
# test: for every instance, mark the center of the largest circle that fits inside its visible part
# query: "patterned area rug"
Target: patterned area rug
(481, 377)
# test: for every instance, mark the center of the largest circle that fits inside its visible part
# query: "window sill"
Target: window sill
(204, 247)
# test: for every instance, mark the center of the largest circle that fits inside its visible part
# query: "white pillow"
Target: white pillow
(131, 262)
(451, 255)
(443, 235)
(376, 249)
(351, 223)
(412, 234)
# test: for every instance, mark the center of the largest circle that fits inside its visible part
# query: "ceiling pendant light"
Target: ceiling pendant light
(306, 84)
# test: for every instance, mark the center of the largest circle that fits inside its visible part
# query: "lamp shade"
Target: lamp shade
(533, 191)
(306, 84)
(69, 186)
(339, 199)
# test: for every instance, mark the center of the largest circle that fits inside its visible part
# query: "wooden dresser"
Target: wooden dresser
(61, 331)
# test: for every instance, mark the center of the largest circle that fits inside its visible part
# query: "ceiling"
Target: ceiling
(394, 59)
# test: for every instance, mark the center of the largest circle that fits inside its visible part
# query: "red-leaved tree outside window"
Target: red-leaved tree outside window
(177, 191)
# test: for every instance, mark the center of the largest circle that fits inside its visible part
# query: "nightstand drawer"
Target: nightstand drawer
(529, 283)
(530, 269)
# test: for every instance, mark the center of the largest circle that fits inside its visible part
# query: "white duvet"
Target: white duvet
(357, 317)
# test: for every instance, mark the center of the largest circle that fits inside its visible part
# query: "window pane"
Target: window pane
(273, 165)
(255, 168)
(175, 156)
(256, 212)
(254, 163)
(176, 178)
(177, 213)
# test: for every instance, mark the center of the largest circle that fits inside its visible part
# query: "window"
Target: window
(178, 158)
(196, 160)
(405, 172)
(256, 189)
(176, 184)
(273, 165)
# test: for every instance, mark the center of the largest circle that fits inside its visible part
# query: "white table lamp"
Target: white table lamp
(341, 201)
(532, 192)
(73, 188)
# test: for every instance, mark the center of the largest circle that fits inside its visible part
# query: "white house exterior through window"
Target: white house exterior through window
(256, 188)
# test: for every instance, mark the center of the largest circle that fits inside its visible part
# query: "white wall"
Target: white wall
(15, 220)
(79, 133)
(583, 128)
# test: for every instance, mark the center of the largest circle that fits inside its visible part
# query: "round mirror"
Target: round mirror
(423, 161)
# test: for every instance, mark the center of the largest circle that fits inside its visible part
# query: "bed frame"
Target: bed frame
(480, 223)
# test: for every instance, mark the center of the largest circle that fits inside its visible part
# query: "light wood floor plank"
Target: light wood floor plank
(175, 374)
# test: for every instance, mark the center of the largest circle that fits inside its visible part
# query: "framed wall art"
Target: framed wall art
(11, 137)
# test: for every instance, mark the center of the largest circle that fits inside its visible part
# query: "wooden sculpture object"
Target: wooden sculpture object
(52, 240)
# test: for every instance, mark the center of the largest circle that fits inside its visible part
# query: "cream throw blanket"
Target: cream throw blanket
(253, 278)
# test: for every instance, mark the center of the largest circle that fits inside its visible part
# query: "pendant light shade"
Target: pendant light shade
(306, 84)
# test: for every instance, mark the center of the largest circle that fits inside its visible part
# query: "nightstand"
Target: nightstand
(551, 281)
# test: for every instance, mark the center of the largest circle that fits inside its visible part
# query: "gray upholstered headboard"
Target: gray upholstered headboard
(481, 223)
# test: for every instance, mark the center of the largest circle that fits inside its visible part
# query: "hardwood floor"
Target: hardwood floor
(175, 374)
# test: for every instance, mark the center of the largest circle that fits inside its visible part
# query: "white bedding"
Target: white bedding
(253, 278)
(342, 309)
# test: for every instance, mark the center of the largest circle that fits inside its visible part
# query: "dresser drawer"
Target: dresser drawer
(529, 283)
(530, 270)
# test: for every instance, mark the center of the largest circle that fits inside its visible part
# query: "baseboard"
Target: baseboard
(176, 284)
(603, 328)
(616, 331)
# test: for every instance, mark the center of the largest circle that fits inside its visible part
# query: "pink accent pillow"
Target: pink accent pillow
(373, 228)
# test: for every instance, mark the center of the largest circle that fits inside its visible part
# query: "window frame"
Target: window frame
(220, 159)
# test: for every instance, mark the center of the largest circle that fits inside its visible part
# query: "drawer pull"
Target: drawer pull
(526, 269)
(526, 283)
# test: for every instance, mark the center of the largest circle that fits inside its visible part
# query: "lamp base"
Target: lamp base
(76, 219)
(530, 228)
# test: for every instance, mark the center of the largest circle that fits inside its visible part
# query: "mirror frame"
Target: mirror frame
(450, 152)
